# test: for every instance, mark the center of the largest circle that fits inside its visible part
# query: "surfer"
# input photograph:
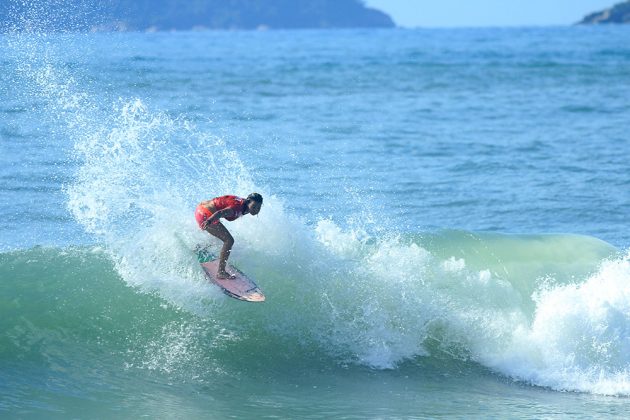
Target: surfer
(229, 207)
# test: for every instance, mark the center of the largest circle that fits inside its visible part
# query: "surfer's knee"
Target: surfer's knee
(228, 241)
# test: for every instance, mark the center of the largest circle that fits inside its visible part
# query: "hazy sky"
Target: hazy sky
(411, 13)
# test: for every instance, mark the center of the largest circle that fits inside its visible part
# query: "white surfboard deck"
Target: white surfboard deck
(240, 287)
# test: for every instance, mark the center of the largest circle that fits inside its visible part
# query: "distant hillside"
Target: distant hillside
(619, 13)
(166, 15)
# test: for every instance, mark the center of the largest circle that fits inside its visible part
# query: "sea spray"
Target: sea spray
(129, 188)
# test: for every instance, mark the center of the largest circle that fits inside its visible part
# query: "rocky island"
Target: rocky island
(169, 15)
(619, 13)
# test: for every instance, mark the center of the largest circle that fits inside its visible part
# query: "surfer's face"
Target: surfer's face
(254, 207)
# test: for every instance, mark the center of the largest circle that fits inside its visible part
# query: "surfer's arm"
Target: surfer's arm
(226, 212)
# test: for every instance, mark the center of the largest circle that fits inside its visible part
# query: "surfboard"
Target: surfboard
(241, 287)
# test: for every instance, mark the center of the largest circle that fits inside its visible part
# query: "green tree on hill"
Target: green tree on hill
(188, 14)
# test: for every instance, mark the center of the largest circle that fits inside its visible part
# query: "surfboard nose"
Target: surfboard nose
(255, 297)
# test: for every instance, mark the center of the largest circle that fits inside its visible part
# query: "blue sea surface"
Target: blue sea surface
(444, 233)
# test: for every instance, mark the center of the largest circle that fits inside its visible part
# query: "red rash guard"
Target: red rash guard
(237, 204)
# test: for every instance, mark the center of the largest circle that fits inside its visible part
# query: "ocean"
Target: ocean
(444, 232)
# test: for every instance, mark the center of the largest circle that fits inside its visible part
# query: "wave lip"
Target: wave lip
(550, 310)
(579, 339)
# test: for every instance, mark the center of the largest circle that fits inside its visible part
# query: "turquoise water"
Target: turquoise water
(444, 230)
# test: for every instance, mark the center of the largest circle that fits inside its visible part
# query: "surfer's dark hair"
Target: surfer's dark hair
(255, 197)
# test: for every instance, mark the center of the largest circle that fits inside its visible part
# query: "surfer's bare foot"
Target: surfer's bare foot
(225, 275)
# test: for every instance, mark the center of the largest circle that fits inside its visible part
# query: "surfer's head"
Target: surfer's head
(254, 203)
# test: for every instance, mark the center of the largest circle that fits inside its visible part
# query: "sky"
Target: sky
(449, 13)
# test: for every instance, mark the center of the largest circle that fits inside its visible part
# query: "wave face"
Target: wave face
(548, 310)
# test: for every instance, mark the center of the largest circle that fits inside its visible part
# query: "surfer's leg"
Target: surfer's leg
(220, 231)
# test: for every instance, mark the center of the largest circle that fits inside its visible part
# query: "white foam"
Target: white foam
(580, 336)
